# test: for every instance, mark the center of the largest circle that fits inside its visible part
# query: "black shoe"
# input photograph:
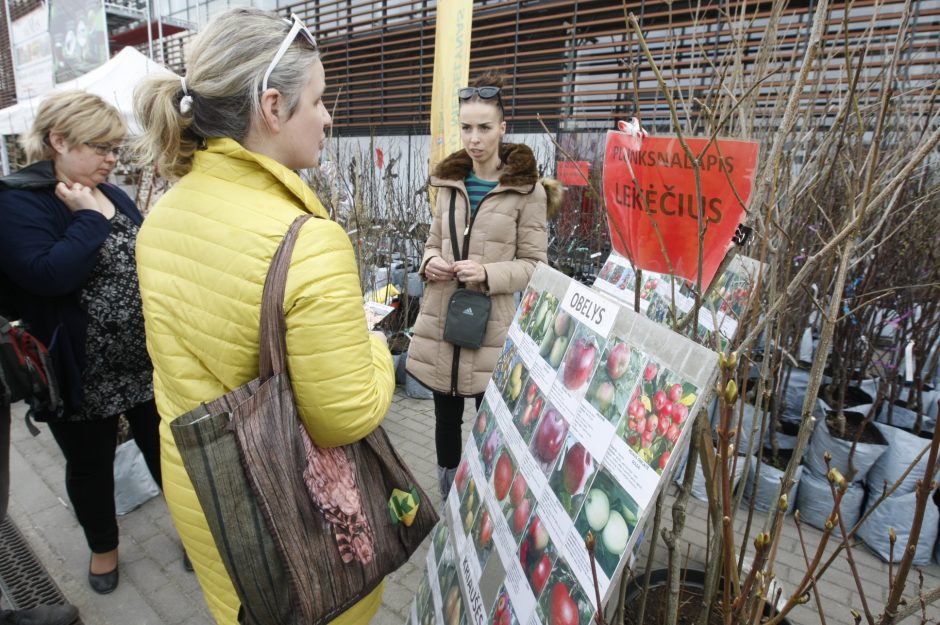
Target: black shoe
(103, 583)
(187, 565)
(40, 615)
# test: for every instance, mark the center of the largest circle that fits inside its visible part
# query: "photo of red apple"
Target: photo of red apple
(527, 410)
(520, 514)
(463, 472)
(527, 306)
(503, 612)
(502, 475)
(518, 489)
(482, 534)
(518, 506)
(549, 436)
(490, 446)
(656, 415)
(538, 533)
(564, 601)
(614, 380)
(538, 576)
(536, 554)
(573, 473)
(576, 468)
(481, 422)
(486, 529)
(564, 609)
(618, 361)
(579, 362)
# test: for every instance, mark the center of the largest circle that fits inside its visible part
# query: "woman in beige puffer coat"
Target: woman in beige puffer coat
(489, 195)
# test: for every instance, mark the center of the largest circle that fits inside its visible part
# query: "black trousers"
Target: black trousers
(88, 447)
(448, 437)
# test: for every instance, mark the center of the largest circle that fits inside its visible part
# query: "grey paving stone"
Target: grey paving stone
(156, 590)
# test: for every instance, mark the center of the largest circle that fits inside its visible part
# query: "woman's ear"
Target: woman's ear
(58, 143)
(270, 108)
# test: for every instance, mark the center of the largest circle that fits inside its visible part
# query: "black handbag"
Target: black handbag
(468, 311)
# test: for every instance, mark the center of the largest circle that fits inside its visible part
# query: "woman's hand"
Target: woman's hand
(77, 197)
(469, 271)
(438, 270)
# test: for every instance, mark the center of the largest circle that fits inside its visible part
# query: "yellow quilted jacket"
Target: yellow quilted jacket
(202, 256)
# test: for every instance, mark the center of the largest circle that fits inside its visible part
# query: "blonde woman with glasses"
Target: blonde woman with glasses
(67, 265)
(232, 133)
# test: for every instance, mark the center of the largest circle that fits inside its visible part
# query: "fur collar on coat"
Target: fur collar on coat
(520, 171)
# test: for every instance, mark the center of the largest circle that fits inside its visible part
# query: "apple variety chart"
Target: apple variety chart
(581, 424)
(718, 317)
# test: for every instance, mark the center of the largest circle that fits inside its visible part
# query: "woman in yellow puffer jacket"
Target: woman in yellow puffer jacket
(233, 131)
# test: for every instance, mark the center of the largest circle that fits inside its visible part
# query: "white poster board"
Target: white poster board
(32, 53)
(722, 310)
(576, 432)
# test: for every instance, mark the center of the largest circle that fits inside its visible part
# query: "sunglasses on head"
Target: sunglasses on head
(485, 93)
(297, 28)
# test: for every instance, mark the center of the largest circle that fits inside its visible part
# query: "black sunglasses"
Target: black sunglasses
(485, 93)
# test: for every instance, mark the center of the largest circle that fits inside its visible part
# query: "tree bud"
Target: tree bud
(835, 478)
(731, 392)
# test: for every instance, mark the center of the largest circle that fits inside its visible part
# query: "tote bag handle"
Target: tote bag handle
(272, 356)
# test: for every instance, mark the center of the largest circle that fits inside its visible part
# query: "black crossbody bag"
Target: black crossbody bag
(468, 311)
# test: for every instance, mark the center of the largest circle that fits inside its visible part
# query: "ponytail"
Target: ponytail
(222, 88)
(166, 141)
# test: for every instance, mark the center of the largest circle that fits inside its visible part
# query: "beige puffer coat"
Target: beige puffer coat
(508, 237)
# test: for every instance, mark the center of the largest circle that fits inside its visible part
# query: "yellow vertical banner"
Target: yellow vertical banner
(451, 71)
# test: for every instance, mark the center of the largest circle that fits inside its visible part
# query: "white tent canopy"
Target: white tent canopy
(114, 81)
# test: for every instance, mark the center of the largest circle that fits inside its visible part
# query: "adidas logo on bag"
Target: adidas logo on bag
(468, 311)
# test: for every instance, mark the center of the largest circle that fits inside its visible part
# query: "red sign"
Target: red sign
(649, 185)
(573, 173)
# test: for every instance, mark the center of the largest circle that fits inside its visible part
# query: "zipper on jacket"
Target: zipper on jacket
(466, 233)
(455, 364)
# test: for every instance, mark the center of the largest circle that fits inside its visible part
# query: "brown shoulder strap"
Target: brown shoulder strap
(272, 358)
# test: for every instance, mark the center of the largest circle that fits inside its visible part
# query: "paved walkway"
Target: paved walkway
(155, 590)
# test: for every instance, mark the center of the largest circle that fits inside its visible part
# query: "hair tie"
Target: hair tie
(186, 102)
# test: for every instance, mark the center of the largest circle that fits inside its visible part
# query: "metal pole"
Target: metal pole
(149, 32)
(6, 15)
(4, 157)
(160, 35)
